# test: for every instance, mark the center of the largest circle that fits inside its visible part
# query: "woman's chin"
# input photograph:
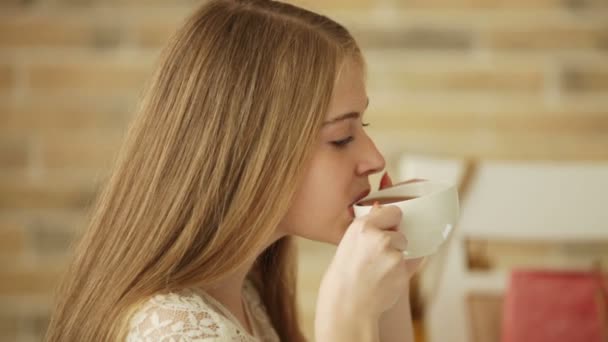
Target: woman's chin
(333, 234)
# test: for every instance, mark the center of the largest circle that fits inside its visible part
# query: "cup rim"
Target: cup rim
(440, 187)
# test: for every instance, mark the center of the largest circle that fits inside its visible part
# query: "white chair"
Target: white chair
(549, 202)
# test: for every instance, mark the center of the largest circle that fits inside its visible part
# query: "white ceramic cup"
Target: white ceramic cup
(428, 218)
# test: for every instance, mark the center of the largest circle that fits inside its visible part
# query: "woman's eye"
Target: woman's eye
(346, 141)
(343, 142)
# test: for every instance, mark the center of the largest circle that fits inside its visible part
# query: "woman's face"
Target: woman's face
(337, 174)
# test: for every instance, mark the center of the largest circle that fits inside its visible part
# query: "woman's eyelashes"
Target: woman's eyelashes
(343, 142)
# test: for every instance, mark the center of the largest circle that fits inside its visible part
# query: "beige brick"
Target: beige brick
(450, 114)
(93, 76)
(9, 325)
(322, 6)
(29, 280)
(34, 325)
(584, 78)
(401, 102)
(499, 4)
(490, 144)
(467, 4)
(50, 117)
(13, 4)
(154, 36)
(79, 152)
(14, 152)
(128, 3)
(585, 4)
(414, 38)
(12, 241)
(490, 125)
(25, 316)
(459, 80)
(72, 3)
(46, 234)
(20, 193)
(23, 29)
(548, 38)
(153, 30)
(7, 77)
(51, 237)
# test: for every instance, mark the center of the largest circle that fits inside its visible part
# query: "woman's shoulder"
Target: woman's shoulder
(180, 316)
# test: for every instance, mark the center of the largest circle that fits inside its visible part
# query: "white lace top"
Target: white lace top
(192, 315)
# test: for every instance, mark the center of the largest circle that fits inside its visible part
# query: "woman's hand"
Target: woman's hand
(396, 323)
(413, 265)
(368, 267)
(364, 279)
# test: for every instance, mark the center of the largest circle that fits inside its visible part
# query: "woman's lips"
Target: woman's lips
(361, 196)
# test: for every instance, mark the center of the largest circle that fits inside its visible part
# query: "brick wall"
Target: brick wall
(475, 78)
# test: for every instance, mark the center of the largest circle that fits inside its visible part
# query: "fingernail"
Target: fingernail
(383, 180)
(376, 205)
(386, 181)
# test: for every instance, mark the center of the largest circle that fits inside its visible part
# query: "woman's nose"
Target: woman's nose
(370, 159)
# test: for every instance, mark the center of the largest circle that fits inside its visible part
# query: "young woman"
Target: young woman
(250, 133)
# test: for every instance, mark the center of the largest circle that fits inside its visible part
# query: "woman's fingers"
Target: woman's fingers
(384, 218)
(398, 241)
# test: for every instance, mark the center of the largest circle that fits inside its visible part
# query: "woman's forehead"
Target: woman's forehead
(349, 93)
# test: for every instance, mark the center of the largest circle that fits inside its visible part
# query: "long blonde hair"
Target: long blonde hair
(224, 130)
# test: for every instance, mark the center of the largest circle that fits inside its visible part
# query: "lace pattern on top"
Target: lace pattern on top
(191, 315)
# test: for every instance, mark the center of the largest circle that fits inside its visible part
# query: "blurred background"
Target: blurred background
(507, 99)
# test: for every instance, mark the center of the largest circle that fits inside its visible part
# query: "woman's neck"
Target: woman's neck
(229, 290)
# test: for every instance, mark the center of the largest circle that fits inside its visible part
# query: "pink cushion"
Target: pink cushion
(554, 306)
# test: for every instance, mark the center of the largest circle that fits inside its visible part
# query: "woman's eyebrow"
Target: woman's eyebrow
(350, 115)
